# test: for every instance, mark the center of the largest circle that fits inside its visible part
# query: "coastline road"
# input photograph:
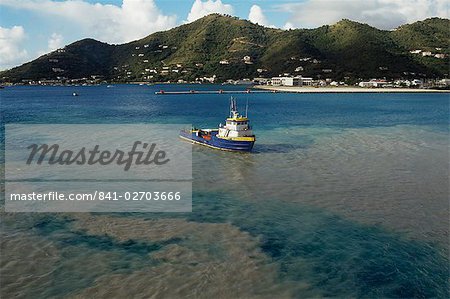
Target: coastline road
(301, 89)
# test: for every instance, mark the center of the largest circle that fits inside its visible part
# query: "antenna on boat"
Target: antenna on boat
(246, 109)
(231, 105)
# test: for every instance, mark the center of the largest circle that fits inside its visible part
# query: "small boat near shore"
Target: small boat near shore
(235, 135)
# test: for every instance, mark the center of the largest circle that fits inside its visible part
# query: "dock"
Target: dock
(162, 92)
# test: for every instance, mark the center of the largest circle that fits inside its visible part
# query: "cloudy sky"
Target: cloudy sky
(30, 28)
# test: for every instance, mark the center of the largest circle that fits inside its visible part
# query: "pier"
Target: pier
(162, 92)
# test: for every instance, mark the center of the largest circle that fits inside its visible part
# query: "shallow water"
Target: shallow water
(344, 195)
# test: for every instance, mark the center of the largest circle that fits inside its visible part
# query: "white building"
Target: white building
(291, 81)
(261, 81)
(209, 79)
(417, 82)
(247, 60)
(373, 83)
(444, 82)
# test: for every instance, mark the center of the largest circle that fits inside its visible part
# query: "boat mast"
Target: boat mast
(233, 107)
(246, 109)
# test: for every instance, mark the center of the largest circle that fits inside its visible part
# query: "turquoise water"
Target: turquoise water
(345, 195)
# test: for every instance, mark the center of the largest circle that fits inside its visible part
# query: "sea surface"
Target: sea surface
(344, 195)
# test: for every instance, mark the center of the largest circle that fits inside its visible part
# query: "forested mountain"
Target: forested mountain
(231, 48)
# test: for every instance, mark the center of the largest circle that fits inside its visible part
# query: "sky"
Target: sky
(31, 28)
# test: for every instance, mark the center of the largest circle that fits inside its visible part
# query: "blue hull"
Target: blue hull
(218, 143)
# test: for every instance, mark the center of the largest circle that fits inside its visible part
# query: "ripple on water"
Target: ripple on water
(106, 256)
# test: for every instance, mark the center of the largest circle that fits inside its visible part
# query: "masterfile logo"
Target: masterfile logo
(97, 168)
(147, 156)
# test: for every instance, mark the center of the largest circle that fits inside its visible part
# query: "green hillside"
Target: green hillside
(217, 45)
(427, 34)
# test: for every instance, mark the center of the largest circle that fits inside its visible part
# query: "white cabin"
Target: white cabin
(236, 125)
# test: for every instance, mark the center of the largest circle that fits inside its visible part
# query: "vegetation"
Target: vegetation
(346, 50)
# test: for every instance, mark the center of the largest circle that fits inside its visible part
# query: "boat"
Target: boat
(75, 94)
(236, 135)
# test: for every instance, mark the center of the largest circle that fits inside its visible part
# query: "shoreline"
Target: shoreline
(347, 89)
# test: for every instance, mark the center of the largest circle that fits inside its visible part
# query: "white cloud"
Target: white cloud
(384, 14)
(288, 26)
(200, 9)
(132, 20)
(11, 51)
(257, 16)
(55, 41)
